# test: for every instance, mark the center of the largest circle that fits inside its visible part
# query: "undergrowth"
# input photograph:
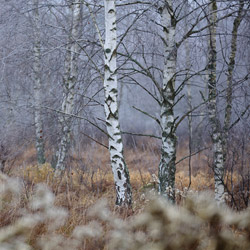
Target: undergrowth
(42, 221)
(41, 211)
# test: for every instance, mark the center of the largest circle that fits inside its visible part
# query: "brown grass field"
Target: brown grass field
(89, 178)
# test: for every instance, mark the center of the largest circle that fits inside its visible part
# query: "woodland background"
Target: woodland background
(45, 27)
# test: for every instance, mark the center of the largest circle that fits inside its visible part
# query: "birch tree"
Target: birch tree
(216, 134)
(69, 83)
(230, 70)
(220, 132)
(168, 150)
(119, 168)
(38, 85)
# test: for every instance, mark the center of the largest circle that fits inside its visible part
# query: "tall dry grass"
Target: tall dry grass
(40, 211)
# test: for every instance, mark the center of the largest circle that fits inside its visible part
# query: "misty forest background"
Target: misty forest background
(176, 72)
(52, 95)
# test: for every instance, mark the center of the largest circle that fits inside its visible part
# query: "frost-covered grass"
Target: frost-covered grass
(40, 211)
(40, 220)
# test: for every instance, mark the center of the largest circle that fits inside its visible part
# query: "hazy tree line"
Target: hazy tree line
(174, 68)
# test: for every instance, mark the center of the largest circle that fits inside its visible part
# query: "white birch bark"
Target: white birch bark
(168, 150)
(70, 80)
(38, 87)
(119, 168)
(231, 66)
(218, 165)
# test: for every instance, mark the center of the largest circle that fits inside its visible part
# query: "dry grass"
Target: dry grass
(73, 221)
(89, 178)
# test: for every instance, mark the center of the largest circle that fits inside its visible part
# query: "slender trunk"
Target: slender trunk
(218, 166)
(189, 97)
(119, 168)
(70, 80)
(231, 66)
(38, 87)
(168, 150)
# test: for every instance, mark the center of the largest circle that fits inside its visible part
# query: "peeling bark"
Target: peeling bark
(38, 87)
(119, 168)
(70, 80)
(167, 166)
(216, 135)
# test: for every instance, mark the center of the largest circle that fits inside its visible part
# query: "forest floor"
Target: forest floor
(89, 174)
(89, 178)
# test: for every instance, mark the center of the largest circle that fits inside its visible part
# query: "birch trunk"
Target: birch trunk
(218, 165)
(168, 150)
(70, 80)
(119, 168)
(231, 66)
(38, 87)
